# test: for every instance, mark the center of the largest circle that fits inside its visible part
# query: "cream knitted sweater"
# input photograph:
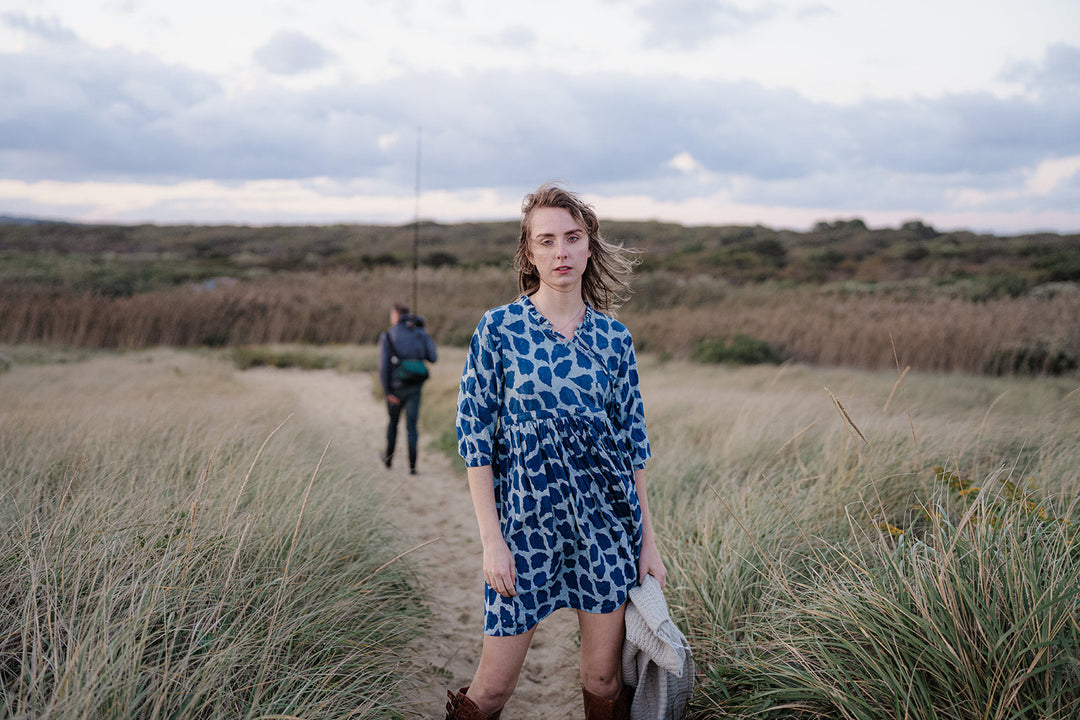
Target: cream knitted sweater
(656, 658)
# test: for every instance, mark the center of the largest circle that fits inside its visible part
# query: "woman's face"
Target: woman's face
(558, 247)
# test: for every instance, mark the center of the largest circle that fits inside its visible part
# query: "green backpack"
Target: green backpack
(409, 371)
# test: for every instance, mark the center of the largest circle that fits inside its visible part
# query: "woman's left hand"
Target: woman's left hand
(650, 563)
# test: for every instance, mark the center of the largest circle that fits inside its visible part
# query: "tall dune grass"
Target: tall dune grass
(844, 545)
(824, 569)
(172, 547)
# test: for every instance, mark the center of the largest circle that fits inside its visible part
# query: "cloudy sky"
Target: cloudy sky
(962, 113)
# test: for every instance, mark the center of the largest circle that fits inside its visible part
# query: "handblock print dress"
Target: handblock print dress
(562, 424)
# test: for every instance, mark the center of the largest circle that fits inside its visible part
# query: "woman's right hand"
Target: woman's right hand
(499, 571)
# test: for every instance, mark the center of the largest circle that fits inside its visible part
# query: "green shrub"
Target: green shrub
(827, 258)
(1060, 266)
(915, 253)
(743, 350)
(249, 357)
(440, 259)
(1012, 285)
(920, 230)
(1036, 359)
(772, 249)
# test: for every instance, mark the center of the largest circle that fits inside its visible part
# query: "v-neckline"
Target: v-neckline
(543, 320)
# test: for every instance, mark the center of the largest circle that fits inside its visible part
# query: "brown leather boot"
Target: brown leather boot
(460, 707)
(600, 708)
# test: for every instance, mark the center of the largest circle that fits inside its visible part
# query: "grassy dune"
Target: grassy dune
(843, 544)
(169, 549)
(823, 567)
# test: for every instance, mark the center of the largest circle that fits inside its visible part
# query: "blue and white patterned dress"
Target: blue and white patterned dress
(562, 424)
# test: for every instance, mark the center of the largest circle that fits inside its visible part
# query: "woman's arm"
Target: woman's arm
(649, 562)
(499, 571)
(628, 417)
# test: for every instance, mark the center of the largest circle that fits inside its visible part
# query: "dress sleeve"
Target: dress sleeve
(628, 414)
(480, 396)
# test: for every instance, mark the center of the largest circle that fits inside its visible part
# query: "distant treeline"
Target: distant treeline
(123, 260)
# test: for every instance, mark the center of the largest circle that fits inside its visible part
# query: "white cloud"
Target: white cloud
(689, 24)
(685, 163)
(1057, 71)
(388, 141)
(1042, 181)
(259, 202)
(45, 28)
(290, 53)
(1051, 174)
(814, 10)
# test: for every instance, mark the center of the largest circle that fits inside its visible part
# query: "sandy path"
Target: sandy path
(435, 503)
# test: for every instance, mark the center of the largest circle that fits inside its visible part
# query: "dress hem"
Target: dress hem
(625, 597)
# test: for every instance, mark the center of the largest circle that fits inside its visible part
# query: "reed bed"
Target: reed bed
(286, 308)
(173, 545)
(937, 328)
(934, 333)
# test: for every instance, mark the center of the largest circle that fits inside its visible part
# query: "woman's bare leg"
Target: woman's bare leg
(601, 651)
(500, 665)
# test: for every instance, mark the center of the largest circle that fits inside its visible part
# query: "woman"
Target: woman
(551, 426)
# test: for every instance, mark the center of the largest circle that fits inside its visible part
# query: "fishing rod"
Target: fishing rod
(416, 231)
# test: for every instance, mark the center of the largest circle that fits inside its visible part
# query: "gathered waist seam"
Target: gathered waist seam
(522, 418)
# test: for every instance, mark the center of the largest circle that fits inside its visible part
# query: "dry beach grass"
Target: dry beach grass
(174, 547)
(825, 569)
(158, 563)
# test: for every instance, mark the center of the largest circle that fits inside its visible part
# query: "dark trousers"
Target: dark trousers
(410, 402)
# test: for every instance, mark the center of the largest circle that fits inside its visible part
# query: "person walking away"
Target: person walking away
(405, 340)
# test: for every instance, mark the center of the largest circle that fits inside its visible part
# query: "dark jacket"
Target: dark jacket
(411, 341)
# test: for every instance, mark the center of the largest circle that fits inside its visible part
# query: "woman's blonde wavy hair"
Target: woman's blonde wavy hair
(605, 284)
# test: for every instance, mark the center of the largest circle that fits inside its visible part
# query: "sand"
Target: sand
(434, 507)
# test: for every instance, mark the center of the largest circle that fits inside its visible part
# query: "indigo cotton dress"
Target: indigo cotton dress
(562, 424)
